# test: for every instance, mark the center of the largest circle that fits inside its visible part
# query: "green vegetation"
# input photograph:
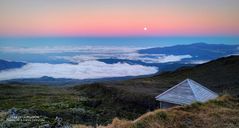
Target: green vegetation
(100, 103)
(81, 104)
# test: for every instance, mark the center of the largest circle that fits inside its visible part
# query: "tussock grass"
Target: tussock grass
(222, 112)
(81, 126)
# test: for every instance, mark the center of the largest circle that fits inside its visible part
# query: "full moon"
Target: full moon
(145, 28)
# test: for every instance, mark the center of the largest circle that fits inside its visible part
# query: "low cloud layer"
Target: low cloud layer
(147, 58)
(89, 53)
(65, 49)
(83, 70)
(198, 62)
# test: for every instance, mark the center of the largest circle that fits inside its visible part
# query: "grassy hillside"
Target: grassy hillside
(99, 103)
(221, 75)
(220, 113)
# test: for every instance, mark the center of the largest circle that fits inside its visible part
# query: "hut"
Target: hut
(185, 93)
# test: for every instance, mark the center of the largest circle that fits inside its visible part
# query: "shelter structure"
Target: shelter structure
(185, 93)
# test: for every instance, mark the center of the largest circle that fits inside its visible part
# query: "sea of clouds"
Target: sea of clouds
(82, 70)
(86, 64)
(66, 49)
(147, 58)
(88, 53)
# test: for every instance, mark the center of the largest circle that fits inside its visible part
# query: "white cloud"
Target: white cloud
(63, 49)
(147, 58)
(83, 70)
(198, 61)
(86, 53)
(165, 58)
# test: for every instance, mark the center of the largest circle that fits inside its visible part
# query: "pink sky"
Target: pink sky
(118, 18)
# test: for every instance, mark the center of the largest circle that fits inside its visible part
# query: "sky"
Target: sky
(119, 17)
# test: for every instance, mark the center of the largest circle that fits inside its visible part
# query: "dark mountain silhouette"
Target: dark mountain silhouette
(199, 51)
(4, 65)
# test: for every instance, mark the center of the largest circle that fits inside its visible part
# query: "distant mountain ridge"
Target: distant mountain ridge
(4, 65)
(50, 81)
(199, 51)
(169, 66)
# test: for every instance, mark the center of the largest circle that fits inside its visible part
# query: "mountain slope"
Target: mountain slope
(221, 75)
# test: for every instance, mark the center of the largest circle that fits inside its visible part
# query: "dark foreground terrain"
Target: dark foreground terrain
(100, 103)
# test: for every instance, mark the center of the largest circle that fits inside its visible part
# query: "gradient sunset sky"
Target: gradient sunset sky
(119, 17)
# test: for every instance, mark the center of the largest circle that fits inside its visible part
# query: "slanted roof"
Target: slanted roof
(187, 92)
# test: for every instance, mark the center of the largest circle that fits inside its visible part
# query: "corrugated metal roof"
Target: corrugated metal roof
(187, 92)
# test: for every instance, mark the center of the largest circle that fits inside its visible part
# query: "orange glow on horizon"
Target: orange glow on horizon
(164, 20)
